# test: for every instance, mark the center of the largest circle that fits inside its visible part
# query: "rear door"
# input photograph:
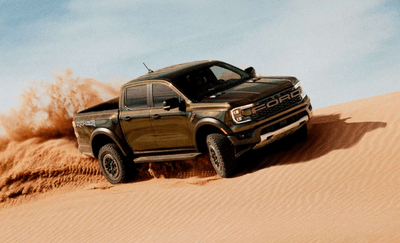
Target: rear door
(171, 128)
(135, 117)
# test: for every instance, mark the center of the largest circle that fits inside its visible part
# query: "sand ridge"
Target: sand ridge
(340, 185)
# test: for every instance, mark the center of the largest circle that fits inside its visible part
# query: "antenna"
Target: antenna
(148, 69)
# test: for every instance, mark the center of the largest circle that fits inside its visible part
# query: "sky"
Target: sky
(341, 50)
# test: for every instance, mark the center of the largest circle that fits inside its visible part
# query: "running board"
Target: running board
(163, 158)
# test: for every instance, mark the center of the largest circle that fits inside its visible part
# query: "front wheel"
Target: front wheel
(113, 164)
(222, 154)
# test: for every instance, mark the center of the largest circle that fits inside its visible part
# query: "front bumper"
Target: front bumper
(274, 128)
(270, 137)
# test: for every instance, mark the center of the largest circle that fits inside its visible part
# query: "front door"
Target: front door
(171, 128)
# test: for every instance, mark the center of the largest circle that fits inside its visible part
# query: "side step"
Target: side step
(163, 158)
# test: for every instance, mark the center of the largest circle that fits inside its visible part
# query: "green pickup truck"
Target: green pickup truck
(182, 111)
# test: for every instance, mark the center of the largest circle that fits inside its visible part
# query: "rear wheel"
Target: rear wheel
(113, 164)
(222, 154)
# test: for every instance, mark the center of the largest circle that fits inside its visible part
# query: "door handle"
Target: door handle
(156, 116)
(127, 118)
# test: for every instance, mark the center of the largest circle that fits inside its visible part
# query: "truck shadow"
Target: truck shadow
(326, 134)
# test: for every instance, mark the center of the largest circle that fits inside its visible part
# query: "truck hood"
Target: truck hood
(251, 90)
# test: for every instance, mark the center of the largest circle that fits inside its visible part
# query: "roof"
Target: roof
(174, 70)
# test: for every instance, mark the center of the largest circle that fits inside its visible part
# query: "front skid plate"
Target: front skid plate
(284, 131)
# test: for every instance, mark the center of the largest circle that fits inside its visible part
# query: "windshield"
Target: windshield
(207, 81)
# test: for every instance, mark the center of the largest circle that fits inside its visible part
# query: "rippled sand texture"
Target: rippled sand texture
(340, 185)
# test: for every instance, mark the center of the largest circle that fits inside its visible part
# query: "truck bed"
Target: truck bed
(103, 116)
(107, 105)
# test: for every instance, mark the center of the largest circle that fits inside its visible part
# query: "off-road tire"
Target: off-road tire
(222, 154)
(113, 164)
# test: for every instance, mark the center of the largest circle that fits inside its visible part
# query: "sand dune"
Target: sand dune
(340, 185)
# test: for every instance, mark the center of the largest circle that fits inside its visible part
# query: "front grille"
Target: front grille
(262, 111)
(284, 123)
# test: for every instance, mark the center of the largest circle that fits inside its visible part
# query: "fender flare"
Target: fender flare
(120, 143)
(210, 122)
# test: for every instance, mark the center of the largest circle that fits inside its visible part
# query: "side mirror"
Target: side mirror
(251, 71)
(171, 104)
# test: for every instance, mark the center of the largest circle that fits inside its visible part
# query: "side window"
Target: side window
(162, 92)
(136, 97)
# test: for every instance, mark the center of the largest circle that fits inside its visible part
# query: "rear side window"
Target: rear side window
(136, 97)
(161, 93)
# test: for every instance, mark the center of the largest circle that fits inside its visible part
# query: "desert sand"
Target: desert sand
(340, 185)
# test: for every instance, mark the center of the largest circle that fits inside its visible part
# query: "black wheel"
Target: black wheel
(222, 154)
(113, 164)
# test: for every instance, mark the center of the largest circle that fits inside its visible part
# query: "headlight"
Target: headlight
(298, 86)
(242, 114)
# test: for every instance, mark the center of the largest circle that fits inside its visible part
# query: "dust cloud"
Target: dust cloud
(38, 151)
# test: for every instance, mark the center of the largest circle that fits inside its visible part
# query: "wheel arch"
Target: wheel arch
(103, 136)
(205, 127)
